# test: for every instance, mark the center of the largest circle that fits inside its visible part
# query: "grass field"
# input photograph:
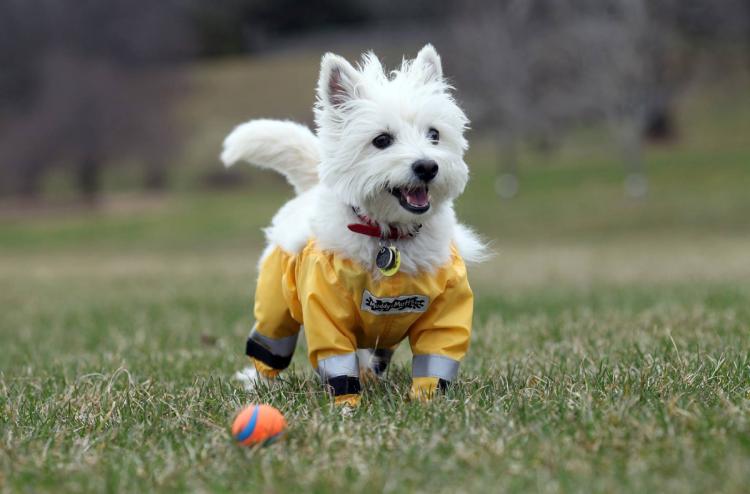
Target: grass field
(611, 346)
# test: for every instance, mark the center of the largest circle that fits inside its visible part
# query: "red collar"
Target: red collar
(371, 229)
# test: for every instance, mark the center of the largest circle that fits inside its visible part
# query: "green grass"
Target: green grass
(122, 383)
(610, 353)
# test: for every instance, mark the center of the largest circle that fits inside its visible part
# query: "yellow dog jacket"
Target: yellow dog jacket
(344, 308)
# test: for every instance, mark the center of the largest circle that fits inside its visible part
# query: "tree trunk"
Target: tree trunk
(155, 175)
(29, 181)
(89, 178)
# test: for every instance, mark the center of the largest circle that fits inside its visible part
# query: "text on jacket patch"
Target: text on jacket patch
(393, 305)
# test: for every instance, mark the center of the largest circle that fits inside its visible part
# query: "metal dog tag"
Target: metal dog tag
(388, 260)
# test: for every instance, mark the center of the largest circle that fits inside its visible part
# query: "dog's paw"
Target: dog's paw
(346, 411)
(249, 377)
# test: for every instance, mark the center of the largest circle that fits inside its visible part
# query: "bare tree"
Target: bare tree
(86, 87)
(538, 67)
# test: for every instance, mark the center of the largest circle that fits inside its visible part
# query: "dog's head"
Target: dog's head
(392, 143)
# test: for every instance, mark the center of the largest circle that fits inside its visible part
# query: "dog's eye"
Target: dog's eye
(433, 135)
(382, 141)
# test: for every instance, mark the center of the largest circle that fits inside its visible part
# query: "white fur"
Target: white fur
(470, 245)
(287, 147)
(250, 378)
(353, 107)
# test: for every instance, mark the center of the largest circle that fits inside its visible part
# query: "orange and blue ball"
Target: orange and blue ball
(258, 424)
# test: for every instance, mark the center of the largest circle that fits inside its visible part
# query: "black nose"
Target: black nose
(425, 169)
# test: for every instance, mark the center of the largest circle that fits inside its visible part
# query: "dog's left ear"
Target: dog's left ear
(428, 62)
(338, 81)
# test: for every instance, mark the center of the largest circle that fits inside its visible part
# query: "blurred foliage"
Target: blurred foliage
(82, 87)
(573, 194)
(86, 92)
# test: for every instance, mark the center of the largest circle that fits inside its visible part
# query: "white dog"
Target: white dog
(370, 251)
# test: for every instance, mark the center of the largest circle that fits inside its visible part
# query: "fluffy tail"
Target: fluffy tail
(287, 147)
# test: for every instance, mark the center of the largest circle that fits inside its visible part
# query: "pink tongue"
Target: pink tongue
(417, 197)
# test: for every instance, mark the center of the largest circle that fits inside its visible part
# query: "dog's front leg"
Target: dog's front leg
(340, 374)
(330, 319)
(440, 338)
(332, 351)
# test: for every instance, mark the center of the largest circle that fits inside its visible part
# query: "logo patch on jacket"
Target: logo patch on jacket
(393, 305)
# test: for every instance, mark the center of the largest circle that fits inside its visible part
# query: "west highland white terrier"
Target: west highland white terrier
(369, 252)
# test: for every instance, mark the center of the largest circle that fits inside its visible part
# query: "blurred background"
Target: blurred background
(610, 138)
(610, 171)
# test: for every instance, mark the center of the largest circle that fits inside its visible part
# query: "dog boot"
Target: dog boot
(255, 374)
(426, 388)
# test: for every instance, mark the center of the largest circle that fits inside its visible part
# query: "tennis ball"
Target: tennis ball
(258, 424)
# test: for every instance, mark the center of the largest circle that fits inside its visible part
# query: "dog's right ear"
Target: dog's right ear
(428, 61)
(338, 81)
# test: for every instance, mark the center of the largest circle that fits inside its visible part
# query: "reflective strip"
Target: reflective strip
(339, 365)
(261, 354)
(434, 366)
(283, 347)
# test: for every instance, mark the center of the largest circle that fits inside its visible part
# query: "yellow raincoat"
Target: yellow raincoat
(343, 309)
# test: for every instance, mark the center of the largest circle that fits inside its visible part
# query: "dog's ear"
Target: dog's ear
(338, 81)
(428, 63)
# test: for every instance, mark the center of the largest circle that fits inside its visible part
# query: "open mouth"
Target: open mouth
(414, 199)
